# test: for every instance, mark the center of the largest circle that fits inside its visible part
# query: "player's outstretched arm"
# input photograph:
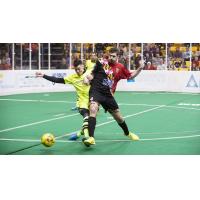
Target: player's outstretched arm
(139, 69)
(50, 78)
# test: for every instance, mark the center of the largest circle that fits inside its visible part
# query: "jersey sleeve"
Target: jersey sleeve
(69, 79)
(97, 67)
(53, 79)
(125, 73)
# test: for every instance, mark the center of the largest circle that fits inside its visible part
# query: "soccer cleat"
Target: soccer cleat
(133, 136)
(88, 141)
(75, 136)
(74, 109)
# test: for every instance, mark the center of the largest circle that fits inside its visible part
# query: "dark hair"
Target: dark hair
(77, 62)
(114, 50)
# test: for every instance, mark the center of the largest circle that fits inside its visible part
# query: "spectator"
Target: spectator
(186, 54)
(184, 66)
(137, 60)
(177, 53)
(90, 48)
(196, 61)
(162, 65)
(147, 58)
(149, 66)
(99, 47)
(5, 62)
(63, 64)
(178, 63)
(194, 67)
(156, 60)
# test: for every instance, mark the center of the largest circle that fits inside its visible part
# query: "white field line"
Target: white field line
(61, 136)
(71, 102)
(179, 107)
(159, 106)
(68, 141)
(137, 104)
(19, 140)
(176, 132)
(165, 93)
(127, 116)
(31, 100)
(39, 122)
(61, 114)
(184, 108)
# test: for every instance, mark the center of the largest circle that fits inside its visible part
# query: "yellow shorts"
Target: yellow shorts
(83, 102)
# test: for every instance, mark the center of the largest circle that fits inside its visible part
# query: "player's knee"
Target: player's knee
(93, 109)
(84, 112)
(120, 120)
(113, 112)
(117, 116)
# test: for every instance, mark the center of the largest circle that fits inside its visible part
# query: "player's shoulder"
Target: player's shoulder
(120, 65)
(71, 76)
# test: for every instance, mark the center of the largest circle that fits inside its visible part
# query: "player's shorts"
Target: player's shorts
(83, 102)
(107, 102)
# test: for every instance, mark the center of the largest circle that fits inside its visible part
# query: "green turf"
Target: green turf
(169, 121)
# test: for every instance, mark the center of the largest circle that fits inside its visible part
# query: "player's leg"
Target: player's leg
(121, 122)
(113, 109)
(85, 113)
(84, 130)
(75, 108)
(82, 104)
(94, 107)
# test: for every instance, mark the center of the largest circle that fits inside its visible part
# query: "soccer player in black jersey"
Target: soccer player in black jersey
(100, 94)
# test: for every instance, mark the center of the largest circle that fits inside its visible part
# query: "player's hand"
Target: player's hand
(89, 77)
(39, 74)
(141, 63)
(86, 81)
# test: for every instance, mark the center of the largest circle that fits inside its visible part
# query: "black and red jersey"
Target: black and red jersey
(107, 75)
(119, 72)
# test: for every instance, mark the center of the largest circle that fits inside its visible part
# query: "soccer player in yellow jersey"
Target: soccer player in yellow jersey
(82, 89)
(89, 65)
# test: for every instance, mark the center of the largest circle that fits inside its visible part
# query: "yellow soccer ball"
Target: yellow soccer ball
(48, 139)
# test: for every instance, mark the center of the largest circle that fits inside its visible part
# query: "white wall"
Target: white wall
(14, 82)
(174, 81)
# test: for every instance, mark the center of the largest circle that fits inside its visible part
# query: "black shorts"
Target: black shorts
(107, 102)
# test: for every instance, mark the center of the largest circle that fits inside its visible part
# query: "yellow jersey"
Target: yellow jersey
(89, 65)
(81, 89)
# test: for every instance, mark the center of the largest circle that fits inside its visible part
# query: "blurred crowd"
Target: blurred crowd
(5, 60)
(156, 56)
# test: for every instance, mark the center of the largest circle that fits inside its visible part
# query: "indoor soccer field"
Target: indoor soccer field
(167, 124)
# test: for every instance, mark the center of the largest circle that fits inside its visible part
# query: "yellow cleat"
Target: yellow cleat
(89, 141)
(133, 136)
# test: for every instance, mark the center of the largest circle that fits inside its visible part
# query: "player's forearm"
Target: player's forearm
(139, 69)
(53, 79)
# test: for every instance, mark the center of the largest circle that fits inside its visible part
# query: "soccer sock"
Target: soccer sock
(85, 123)
(124, 126)
(91, 126)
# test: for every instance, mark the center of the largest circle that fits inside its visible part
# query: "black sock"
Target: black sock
(124, 126)
(91, 126)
